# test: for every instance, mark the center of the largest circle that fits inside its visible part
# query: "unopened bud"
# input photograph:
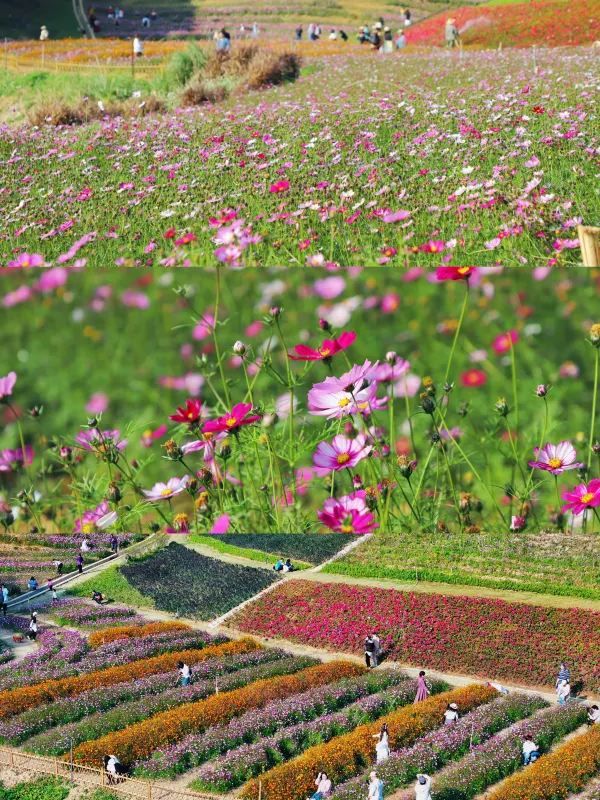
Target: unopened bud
(239, 348)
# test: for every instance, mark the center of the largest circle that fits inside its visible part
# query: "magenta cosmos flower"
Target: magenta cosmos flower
(11, 460)
(237, 417)
(504, 342)
(95, 440)
(340, 453)
(556, 458)
(348, 514)
(455, 273)
(327, 349)
(164, 491)
(353, 392)
(582, 497)
(7, 384)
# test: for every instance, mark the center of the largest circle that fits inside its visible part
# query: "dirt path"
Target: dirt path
(20, 649)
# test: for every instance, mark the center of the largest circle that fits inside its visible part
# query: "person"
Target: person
(343, 35)
(531, 751)
(33, 628)
(388, 41)
(4, 598)
(376, 39)
(138, 52)
(323, 785)
(85, 545)
(333, 35)
(593, 715)
(400, 40)
(79, 562)
(145, 21)
(452, 35)
(185, 672)
(423, 788)
(498, 687)
(44, 35)
(58, 566)
(311, 32)
(223, 42)
(371, 651)
(32, 584)
(113, 768)
(255, 30)
(288, 566)
(382, 748)
(407, 18)
(375, 787)
(563, 692)
(422, 688)
(278, 565)
(114, 543)
(153, 16)
(564, 673)
(299, 33)
(97, 597)
(451, 714)
(54, 595)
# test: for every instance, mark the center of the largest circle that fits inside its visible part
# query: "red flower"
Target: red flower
(327, 349)
(503, 343)
(279, 186)
(454, 273)
(237, 417)
(473, 377)
(186, 238)
(170, 233)
(190, 413)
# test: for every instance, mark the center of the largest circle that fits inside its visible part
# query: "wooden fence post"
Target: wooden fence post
(589, 241)
(149, 791)
(260, 790)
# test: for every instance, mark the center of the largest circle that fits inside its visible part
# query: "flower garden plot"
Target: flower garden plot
(473, 636)
(346, 755)
(311, 548)
(107, 635)
(185, 582)
(82, 614)
(71, 709)
(140, 740)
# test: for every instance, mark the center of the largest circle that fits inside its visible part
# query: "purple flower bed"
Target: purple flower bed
(248, 760)
(80, 613)
(249, 727)
(96, 725)
(445, 744)
(70, 709)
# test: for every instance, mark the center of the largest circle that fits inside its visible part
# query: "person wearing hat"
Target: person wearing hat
(44, 35)
(400, 39)
(451, 714)
(452, 35)
(423, 788)
(388, 41)
(375, 787)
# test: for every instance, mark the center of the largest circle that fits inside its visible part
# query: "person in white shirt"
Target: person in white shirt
(451, 714)
(375, 787)
(531, 751)
(382, 748)
(185, 672)
(138, 50)
(423, 788)
(563, 692)
(85, 545)
(323, 785)
(593, 715)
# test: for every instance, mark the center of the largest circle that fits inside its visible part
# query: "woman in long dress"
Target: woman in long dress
(422, 688)
(382, 748)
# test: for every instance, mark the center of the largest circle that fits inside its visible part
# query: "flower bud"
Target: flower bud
(427, 403)
(357, 482)
(205, 476)
(239, 348)
(501, 407)
(324, 325)
(406, 466)
(92, 422)
(391, 357)
(113, 493)
(275, 312)
(36, 411)
(542, 390)
(517, 523)
(172, 450)
(225, 452)
(595, 334)
(596, 448)
(65, 453)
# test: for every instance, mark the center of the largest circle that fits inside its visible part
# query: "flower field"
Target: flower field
(473, 636)
(308, 548)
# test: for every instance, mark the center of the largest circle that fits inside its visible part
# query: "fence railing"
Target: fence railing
(91, 777)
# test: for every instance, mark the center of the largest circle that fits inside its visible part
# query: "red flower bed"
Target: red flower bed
(543, 22)
(471, 635)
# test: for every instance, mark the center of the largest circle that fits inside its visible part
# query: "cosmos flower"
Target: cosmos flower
(455, 273)
(10, 460)
(348, 514)
(27, 260)
(504, 342)
(7, 384)
(190, 413)
(95, 440)
(164, 491)
(473, 377)
(96, 519)
(582, 497)
(340, 453)
(237, 417)
(556, 458)
(338, 397)
(327, 349)
(221, 524)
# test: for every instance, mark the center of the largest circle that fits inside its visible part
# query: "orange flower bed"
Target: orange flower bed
(556, 775)
(15, 701)
(345, 756)
(107, 635)
(142, 739)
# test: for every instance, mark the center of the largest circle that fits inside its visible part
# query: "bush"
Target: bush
(41, 789)
(107, 635)
(271, 69)
(184, 64)
(204, 92)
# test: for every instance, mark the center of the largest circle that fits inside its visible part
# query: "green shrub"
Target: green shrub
(40, 789)
(183, 65)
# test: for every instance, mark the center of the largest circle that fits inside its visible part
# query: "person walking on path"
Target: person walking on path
(452, 35)
(382, 748)
(4, 598)
(185, 672)
(33, 628)
(564, 674)
(114, 544)
(375, 787)
(563, 692)
(79, 562)
(423, 788)
(372, 650)
(422, 688)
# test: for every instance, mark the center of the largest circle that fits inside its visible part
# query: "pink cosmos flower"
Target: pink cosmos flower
(455, 273)
(327, 349)
(237, 417)
(97, 404)
(150, 435)
(7, 384)
(556, 458)
(10, 460)
(164, 491)
(503, 343)
(338, 397)
(95, 440)
(517, 523)
(279, 186)
(582, 497)
(340, 453)
(221, 524)
(348, 514)
(27, 260)
(473, 377)
(96, 519)
(386, 373)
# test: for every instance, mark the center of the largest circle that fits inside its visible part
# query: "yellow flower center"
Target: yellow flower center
(347, 529)
(324, 351)
(165, 492)
(343, 458)
(231, 422)
(587, 497)
(464, 270)
(88, 527)
(555, 463)
(345, 401)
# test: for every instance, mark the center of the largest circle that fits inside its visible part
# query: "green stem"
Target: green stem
(594, 406)
(216, 338)
(457, 333)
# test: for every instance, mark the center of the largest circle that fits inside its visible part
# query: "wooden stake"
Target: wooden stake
(589, 241)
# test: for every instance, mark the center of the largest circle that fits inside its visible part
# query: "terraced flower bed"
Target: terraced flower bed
(473, 636)
(307, 547)
(187, 583)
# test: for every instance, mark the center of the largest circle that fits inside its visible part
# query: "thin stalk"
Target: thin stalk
(457, 333)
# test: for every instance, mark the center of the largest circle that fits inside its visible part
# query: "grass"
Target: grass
(113, 585)
(305, 549)
(557, 564)
(40, 789)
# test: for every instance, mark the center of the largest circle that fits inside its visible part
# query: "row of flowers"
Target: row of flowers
(501, 756)
(243, 763)
(93, 726)
(80, 613)
(344, 756)
(473, 636)
(107, 635)
(194, 750)
(140, 740)
(556, 775)
(445, 744)
(23, 726)
(17, 700)
(57, 649)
